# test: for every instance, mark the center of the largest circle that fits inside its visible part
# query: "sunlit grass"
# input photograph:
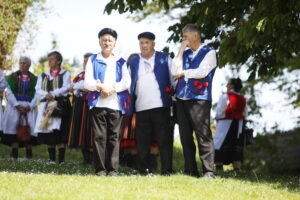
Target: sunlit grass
(36, 179)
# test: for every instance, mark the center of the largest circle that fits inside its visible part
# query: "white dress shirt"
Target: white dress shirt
(112, 101)
(147, 88)
(208, 63)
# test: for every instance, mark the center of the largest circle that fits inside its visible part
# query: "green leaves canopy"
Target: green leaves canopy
(262, 34)
(12, 14)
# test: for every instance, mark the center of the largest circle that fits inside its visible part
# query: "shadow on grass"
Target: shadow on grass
(287, 180)
(74, 166)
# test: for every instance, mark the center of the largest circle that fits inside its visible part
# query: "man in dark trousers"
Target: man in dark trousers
(151, 100)
(194, 68)
(108, 80)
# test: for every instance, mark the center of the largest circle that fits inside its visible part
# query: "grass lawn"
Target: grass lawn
(36, 179)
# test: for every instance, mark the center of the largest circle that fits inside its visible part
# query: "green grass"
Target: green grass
(36, 179)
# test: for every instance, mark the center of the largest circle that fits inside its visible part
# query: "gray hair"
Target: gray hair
(191, 28)
(26, 59)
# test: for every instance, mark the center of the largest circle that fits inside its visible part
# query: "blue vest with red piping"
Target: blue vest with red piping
(162, 75)
(195, 88)
(99, 69)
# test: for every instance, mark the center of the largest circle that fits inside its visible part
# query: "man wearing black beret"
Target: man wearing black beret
(151, 100)
(108, 80)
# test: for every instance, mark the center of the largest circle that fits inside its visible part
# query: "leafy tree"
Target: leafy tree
(12, 15)
(261, 35)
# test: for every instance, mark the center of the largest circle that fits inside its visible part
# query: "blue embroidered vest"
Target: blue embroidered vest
(23, 90)
(162, 75)
(195, 88)
(99, 69)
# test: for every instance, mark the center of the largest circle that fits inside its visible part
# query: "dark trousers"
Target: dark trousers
(106, 129)
(194, 115)
(154, 123)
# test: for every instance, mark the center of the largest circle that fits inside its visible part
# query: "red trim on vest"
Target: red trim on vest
(236, 106)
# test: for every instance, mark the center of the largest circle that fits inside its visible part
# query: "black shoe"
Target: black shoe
(194, 174)
(61, 155)
(167, 173)
(145, 172)
(101, 173)
(52, 156)
(209, 175)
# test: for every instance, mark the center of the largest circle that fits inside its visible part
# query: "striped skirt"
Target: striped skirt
(80, 133)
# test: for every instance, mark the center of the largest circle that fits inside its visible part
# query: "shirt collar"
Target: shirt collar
(200, 47)
(150, 59)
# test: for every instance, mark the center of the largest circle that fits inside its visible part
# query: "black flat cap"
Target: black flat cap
(148, 35)
(109, 31)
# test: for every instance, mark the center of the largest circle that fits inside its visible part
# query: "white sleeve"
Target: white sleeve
(64, 90)
(245, 112)
(221, 107)
(11, 99)
(79, 85)
(34, 101)
(176, 67)
(89, 81)
(208, 63)
(39, 92)
(124, 84)
(170, 63)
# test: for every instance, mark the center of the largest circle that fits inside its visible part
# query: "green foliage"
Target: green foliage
(12, 14)
(261, 35)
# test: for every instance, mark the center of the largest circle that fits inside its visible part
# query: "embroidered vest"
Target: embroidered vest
(50, 85)
(23, 90)
(195, 88)
(99, 69)
(162, 75)
(236, 106)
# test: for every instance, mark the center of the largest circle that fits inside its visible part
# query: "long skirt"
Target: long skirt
(80, 133)
(55, 134)
(128, 133)
(128, 127)
(10, 121)
(232, 147)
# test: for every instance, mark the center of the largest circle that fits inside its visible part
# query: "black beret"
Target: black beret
(109, 31)
(148, 35)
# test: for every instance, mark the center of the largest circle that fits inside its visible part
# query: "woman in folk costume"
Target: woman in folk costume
(21, 105)
(3, 85)
(80, 129)
(230, 115)
(53, 87)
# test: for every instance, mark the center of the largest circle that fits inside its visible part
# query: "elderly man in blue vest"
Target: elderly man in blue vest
(194, 68)
(151, 100)
(108, 81)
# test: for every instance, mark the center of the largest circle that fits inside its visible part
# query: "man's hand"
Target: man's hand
(107, 91)
(49, 97)
(180, 75)
(184, 44)
(23, 110)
